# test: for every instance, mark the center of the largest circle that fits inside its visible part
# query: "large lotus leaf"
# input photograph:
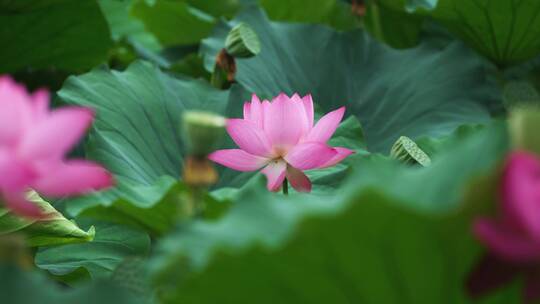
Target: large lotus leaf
(55, 229)
(99, 258)
(65, 34)
(136, 135)
(421, 91)
(25, 287)
(394, 234)
(506, 31)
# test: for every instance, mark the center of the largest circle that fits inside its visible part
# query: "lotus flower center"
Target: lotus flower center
(280, 152)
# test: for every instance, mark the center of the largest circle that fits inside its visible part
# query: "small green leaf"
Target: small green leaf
(53, 230)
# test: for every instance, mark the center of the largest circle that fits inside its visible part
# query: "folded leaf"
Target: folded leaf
(99, 258)
(53, 230)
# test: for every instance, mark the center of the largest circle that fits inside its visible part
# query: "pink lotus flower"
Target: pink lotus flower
(280, 137)
(513, 239)
(33, 143)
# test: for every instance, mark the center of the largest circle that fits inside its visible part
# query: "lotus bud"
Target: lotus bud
(203, 131)
(407, 151)
(523, 125)
(242, 42)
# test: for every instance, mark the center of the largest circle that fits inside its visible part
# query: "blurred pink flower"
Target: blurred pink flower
(280, 136)
(513, 239)
(33, 144)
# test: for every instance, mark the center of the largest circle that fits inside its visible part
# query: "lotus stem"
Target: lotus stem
(285, 187)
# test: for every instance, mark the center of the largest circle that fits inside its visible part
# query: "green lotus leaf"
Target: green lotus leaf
(137, 136)
(424, 91)
(506, 31)
(384, 238)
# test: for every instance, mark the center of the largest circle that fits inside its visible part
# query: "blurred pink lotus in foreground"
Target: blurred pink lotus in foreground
(33, 143)
(280, 137)
(513, 240)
